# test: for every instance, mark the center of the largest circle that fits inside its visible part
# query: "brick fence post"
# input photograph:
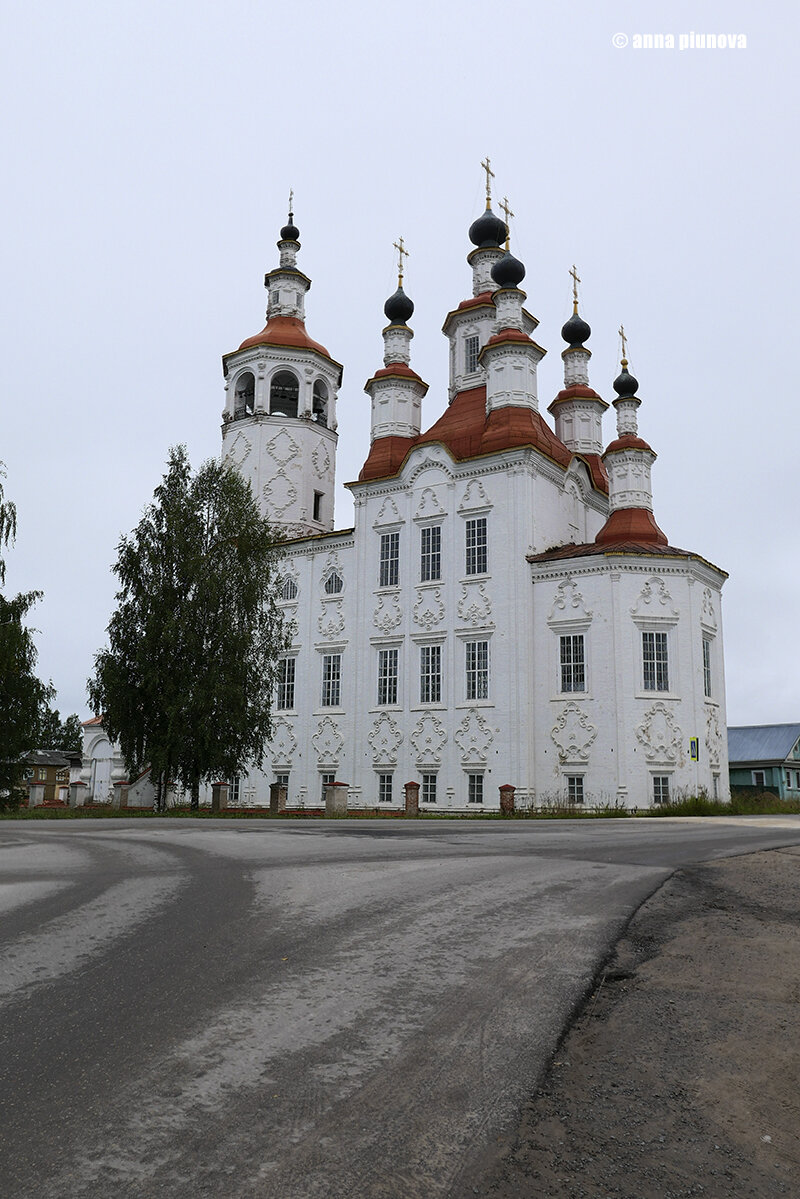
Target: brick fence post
(412, 799)
(336, 799)
(507, 793)
(77, 794)
(219, 796)
(277, 798)
(120, 799)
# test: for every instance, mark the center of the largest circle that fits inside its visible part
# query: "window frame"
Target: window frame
(476, 546)
(385, 788)
(572, 667)
(576, 791)
(388, 676)
(476, 790)
(476, 672)
(430, 674)
(285, 693)
(707, 675)
(331, 694)
(655, 667)
(428, 787)
(430, 556)
(472, 350)
(662, 789)
(389, 559)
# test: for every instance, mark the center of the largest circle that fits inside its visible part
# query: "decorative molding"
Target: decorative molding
(239, 450)
(568, 604)
(388, 614)
(660, 736)
(713, 736)
(429, 609)
(474, 496)
(279, 493)
(283, 745)
(474, 606)
(389, 514)
(708, 617)
(428, 739)
(283, 448)
(385, 739)
(321, 459)
(328, 741)
(330, 622)
(573, 734)
(429, 505)
(655, 601)
(474, 737)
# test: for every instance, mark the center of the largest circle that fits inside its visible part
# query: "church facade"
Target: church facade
(506, 609)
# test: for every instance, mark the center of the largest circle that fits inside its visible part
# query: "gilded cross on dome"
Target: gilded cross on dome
(505, 207)
(624, 345)
(575, 281)
(399, 245)
(486, 164)
(291, 202)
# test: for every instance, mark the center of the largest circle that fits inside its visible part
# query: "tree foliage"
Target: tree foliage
(23, 697)
(54, 733)
(187, 681)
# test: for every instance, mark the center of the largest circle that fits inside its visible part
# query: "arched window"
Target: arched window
(244, 397)
(333, 583)
(320, 408)
(283, 394)
(289, 589)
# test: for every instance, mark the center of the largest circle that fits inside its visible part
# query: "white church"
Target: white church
(506, 609)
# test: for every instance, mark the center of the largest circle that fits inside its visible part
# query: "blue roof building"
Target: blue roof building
(766, 757)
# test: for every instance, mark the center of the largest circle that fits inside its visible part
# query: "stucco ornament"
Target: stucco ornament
(284, 743)
(713, 737)
(389, 514)
(568, 603)
(428, 738)
(429, 504)
(239, 451)
(385, 739)
(474, 606)
(388, 614)
(279, 493)
(283, 448)
(654, 600)
(708, 616)
(331, 620)
(573, 734)
(429, 608)
(660, 736)
(320, 459)
(474, 496)
(474, 737)
(328, 741)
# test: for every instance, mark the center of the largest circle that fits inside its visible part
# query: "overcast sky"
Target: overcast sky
(149, 149)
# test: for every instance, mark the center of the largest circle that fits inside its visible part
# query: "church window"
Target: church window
(289, 589)
(431, 554)
(387, 676)
(244, 394)
(286, 677)
(477, 558)
(430, 674)
(655, 660)
(707, 667)
(477, 669)
(333, 583)
(317, 506)
(389, 571)
(283, 394)
(283, 781)
(234, 788)
(575, 788)
(474, 788)
(471, 348)
(573, 668)
(384, 788)
(331, 680)
(660, 788)
(715, 779)
(326, 781)
(320, 403)
(429, 788)
(276, 297)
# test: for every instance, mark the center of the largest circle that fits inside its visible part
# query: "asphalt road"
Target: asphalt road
(300, 1009)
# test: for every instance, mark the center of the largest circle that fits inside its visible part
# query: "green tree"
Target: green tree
(23, 697)
(53, 733)
(187, 681)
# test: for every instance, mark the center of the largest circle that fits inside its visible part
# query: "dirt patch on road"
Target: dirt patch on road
(681, 1077)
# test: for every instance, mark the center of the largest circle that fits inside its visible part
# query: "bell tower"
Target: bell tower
(279, 420)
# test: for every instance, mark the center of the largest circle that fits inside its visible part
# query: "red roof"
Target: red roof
(284, 331)
(576, 392)
(632, 548)
(385, 457)
(95, 720)
(631, 525)
(597, 470)
(628, 442)
(397, 370)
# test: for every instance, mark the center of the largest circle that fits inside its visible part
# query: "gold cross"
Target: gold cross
(624, 345)
(575, 281)
(504, 207)
(291, 202)
(399, 245)
(489, 172)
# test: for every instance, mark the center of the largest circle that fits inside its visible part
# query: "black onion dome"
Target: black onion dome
(398, 308)
(576, 331)
(290, 232)
(625, 385)
(508, 271)
(488, 230)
